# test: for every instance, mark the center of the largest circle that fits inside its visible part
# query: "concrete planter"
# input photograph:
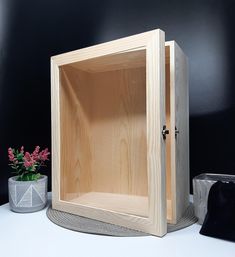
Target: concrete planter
(27, 196)
(201, 188)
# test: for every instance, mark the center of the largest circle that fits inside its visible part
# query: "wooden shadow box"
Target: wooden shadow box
(120, 132)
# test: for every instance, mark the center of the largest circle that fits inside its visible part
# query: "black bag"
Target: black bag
(220, 218)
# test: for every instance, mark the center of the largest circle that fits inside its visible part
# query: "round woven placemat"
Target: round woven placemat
(86, 225)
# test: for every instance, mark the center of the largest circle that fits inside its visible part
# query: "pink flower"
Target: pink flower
(22, 149)
(35, 154)
(43, 155)
(28, 160)
(27, 164)
(27, 156)
(11, 155)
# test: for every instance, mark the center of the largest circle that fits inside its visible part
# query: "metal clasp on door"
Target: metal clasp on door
(165, 132)
(176, 132)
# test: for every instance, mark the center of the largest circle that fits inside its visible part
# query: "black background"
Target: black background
(32, 31)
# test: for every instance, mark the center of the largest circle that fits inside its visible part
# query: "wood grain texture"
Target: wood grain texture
(130, 204)
(168, 138)
(55, 131)
(119, 154)
(124, 203)
(103, 134)
(113, 62)
(127, 44)
(179, 119)
(75, 137)
(155, 121)
(94, 117)
(113, 217)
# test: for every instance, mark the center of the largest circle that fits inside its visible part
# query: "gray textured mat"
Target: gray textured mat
(86, 225)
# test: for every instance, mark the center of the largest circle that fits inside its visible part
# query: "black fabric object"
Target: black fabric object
(220, 218)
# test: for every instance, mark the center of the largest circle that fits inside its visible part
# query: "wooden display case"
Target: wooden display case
(112, 107)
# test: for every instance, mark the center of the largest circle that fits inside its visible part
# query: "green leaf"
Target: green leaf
(37, 176)
(19, 156)
(29, 176)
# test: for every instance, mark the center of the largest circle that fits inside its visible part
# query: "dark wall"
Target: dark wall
(32, 31)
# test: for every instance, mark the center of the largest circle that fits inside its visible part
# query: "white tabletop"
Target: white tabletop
(34, 235)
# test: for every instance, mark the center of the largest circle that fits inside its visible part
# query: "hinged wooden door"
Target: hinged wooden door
(107, 120)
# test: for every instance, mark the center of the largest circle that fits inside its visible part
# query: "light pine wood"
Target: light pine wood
(155, 121)
(170, 217)
(179, 146)
(118, 46)
(113, 62)
(103, 135)
(98, 118)
(109, 104)
(101, 96)
(55, 131)
(130, 204)
(119, 141)
(153, 43)
(75, 137)
(124, 203)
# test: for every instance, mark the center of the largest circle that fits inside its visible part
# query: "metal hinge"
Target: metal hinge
(164, 132)
(176, 132)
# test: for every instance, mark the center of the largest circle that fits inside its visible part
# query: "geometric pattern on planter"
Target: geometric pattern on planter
(27, 197)
(40, 191)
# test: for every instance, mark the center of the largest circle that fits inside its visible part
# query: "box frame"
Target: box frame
(170, 83)
(154, 43)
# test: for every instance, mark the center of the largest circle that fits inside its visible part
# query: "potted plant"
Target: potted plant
(28, 188)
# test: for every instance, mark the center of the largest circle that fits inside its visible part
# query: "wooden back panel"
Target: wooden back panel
(118, 129)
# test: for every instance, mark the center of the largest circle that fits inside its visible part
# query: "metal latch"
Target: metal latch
(176, 132)
(164, 132)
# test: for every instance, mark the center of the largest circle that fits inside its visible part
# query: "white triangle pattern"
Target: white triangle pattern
(40, 189)
(26, 200)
